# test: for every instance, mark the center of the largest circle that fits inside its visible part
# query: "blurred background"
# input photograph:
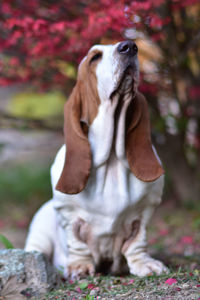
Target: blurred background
(41, 45)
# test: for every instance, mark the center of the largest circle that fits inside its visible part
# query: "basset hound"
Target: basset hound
(107, 178)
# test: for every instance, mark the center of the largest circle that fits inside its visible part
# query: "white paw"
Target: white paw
(147, 266)
(80, 268)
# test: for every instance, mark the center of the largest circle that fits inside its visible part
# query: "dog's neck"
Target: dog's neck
(125, 96)
(107, 132)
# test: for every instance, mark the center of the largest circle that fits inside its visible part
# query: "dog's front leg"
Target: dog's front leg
(80, 267)
(80, 261)
(134, 249)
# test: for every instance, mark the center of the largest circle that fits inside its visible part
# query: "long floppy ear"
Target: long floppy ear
(77, 163)
(140, 155)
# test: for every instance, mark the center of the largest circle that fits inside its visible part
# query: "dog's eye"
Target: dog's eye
(96, 57)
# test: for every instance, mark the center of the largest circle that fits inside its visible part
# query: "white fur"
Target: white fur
(112, 199)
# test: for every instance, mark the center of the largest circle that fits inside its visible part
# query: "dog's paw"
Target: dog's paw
(147, 266)
(80, 269)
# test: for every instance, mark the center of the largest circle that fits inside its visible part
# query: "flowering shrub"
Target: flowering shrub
(36, 35)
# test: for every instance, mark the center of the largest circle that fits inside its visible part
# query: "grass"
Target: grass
(7, 244)
(23, 189)
(186, 286)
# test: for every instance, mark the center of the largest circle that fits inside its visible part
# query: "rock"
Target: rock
(24, 275)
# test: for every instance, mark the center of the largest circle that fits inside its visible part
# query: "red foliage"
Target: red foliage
(91, 286)
(35, 34)
(194, 92)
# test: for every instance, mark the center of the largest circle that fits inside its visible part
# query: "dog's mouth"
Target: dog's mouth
(128, 82)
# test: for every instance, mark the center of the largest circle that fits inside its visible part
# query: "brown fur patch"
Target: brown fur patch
(133, 232)
(79, 112)
(82, 231)
(140, 155)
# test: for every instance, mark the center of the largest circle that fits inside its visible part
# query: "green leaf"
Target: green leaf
(6, 242)
(89, 297)
(83, 285)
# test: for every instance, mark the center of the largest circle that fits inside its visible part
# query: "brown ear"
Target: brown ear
(140, 155)
(77, 163)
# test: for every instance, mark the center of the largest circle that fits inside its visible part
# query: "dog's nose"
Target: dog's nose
(127, 47)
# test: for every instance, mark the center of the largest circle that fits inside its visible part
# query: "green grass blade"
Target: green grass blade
(7, 244)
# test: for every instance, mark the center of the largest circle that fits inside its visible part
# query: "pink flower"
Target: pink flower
(171, 281)
(164, 232)
(187, 239)
(131, 281)
(71, 281)
(78, 289)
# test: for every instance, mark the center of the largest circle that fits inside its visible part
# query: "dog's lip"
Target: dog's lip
(129, 71)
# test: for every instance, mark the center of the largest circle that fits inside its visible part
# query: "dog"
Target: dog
(107, 178)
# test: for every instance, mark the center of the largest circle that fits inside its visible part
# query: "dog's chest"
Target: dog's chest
(112, 196)
(112, 188)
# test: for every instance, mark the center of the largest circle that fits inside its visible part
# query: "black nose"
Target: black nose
(127, 47)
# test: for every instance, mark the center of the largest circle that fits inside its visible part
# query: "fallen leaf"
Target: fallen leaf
(116, 281)
(90, 286)
(12, 289)
(125, 283)
(196, 272)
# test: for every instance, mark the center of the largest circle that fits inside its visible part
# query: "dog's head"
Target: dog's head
(107, 66)
(105, 71)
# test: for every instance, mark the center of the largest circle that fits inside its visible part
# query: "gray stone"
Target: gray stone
(25, 275)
